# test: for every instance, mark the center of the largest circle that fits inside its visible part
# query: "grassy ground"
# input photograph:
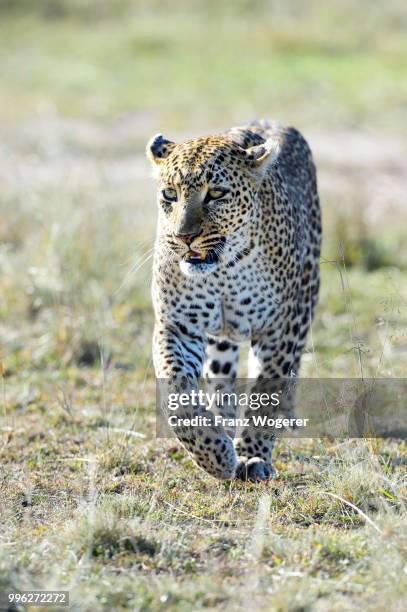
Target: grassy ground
(90, 501)
(190, 64)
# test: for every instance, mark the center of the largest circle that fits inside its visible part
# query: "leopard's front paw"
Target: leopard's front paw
(218, 457)
(254, 469)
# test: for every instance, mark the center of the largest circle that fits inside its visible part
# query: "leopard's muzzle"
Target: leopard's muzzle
(195, 263)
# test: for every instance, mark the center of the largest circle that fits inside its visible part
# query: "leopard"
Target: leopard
(236, 261)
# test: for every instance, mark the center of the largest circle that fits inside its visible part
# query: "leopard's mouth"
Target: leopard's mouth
(198, 257)
(197, 263)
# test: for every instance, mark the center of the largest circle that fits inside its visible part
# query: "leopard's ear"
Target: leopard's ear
(158, 148)
(262, 156)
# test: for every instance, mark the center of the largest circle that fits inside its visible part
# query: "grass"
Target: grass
(344, 64)
(90, 501)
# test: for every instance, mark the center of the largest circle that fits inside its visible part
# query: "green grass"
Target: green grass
(90, 500)
(190, 64)
(126, 524)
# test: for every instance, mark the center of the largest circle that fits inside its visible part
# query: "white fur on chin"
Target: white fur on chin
(203, 269)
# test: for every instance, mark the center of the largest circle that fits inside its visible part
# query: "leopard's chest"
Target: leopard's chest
(237, 303)
(243, 319)
(245, 304)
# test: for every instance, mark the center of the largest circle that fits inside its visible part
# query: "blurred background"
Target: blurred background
(84, 84)
(187, 65)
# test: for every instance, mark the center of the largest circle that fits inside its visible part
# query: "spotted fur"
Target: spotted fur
(257, 279)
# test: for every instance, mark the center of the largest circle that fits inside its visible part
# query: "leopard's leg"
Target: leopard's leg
(308, 300)
(273, 357)
(220, 372)
(178, 352)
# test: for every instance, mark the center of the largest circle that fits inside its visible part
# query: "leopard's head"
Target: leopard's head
(207, 192)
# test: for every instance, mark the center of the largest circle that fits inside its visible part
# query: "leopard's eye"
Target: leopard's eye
(170, 194)
(215, 194)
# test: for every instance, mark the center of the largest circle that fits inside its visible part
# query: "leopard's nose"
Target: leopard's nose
(187, 238)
